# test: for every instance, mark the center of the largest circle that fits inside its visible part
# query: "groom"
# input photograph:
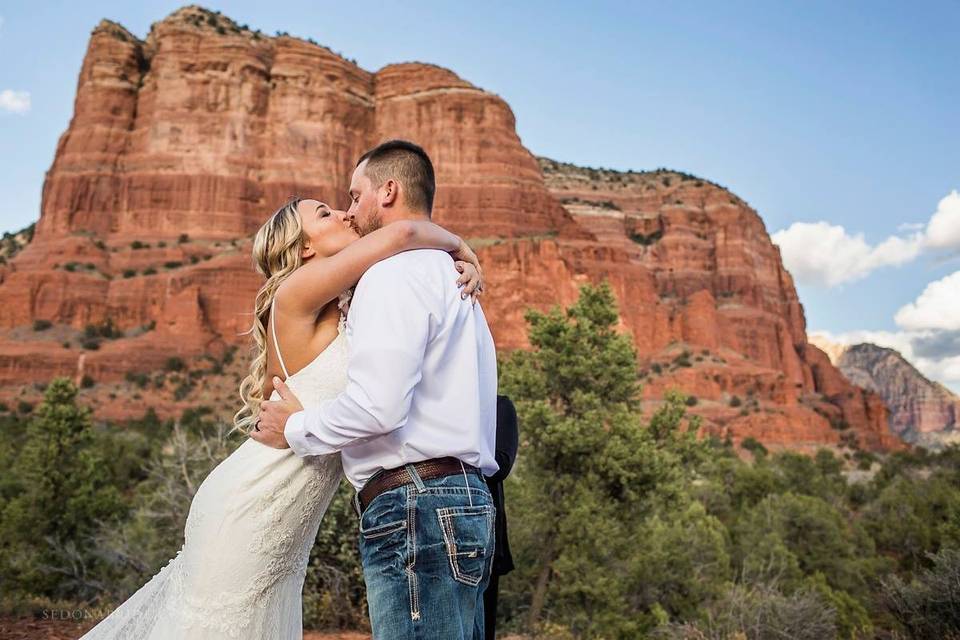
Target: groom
(416, 423)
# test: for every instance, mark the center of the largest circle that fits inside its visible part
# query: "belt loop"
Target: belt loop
(467, 483)
(356, 504)
(415, 477)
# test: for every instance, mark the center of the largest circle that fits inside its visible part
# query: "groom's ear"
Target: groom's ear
(389, 193)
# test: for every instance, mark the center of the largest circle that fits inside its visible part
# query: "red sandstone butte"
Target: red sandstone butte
(183, 143)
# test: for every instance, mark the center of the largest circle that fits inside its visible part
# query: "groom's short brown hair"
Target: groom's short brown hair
(409, 165)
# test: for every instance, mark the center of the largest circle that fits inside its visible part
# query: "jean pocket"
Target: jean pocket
(468, 536)
(382, 530)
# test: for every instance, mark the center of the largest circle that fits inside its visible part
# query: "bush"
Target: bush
(90, 344)
(138, 378)
(173, 264)
(86, 382)
(754, 446)
(41, 325)
(691, 401)
(129, 273)
(735, 401)
(758, 613)
(149, 271)
(928, 607)
(136, 244)
(174, 363)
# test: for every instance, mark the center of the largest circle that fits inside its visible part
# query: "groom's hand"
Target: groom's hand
(273, 417)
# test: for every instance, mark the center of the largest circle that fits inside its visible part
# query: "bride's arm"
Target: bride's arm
(321, 280)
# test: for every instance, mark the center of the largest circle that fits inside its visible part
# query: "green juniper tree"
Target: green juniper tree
(590, 475)
(64, 489)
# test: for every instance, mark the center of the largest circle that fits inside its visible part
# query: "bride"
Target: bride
(254, 519)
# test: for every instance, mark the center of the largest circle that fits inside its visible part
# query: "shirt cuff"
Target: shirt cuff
(295, 432)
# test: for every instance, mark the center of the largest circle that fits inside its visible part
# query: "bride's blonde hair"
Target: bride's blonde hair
(276, 254)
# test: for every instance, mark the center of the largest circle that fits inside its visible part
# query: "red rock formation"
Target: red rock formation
(181, 144)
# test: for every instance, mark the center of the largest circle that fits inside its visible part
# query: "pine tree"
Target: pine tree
(64, 492)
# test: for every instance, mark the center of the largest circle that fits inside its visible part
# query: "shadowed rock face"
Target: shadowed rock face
(183, 143)
(922, 412)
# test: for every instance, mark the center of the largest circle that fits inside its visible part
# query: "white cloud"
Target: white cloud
(937, 308)
(929, 335)
(943, 230)
(14, 101)
(826, 255)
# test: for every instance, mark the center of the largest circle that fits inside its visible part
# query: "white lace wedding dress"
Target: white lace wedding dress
(252, 523)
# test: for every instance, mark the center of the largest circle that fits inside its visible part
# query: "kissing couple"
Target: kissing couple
(398, 394)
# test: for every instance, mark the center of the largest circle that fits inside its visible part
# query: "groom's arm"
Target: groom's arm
(390, 321)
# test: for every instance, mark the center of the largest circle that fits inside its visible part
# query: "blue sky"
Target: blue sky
(834, 120)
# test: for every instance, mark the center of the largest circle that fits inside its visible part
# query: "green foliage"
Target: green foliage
(174, 363)
(928, 607)
(591, 476)
(41, 325)
(58, 489)
(621, 527)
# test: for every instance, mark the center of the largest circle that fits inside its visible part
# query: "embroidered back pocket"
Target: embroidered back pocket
(468, 535)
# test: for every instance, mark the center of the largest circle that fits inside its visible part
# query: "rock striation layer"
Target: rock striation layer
(182, 143)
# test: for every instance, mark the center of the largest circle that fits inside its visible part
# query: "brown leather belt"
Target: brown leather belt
(392, 478)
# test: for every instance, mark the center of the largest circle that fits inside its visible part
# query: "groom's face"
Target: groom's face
(364, 203)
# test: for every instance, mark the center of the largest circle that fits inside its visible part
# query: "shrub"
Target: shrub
(138, 378)
(928, 607)
(90, 344)
(24, 407)
(183, 390)
(646, 239)
(129, 273)
(149, 271)
(183, 238)
(691, 401)
(754, 446)
(173, 264)
(136, 244)
(683, 360)
(86, 382)
(735, 401)
(174, 363)
(41, 325)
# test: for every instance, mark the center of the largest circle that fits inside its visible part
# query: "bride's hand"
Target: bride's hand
(471, 279)
(465, 253)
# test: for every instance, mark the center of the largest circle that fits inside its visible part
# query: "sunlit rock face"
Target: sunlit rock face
(182, 144)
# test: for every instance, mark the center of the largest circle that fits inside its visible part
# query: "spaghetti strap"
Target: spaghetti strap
(273, 329)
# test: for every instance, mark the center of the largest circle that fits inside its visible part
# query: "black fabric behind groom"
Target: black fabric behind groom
(508, 439)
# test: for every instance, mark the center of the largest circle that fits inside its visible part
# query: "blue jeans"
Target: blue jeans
(427, 551)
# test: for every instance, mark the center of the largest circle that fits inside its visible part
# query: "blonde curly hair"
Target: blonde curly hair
(277, 248)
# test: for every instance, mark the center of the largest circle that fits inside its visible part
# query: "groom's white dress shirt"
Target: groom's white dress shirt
(422, 375)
